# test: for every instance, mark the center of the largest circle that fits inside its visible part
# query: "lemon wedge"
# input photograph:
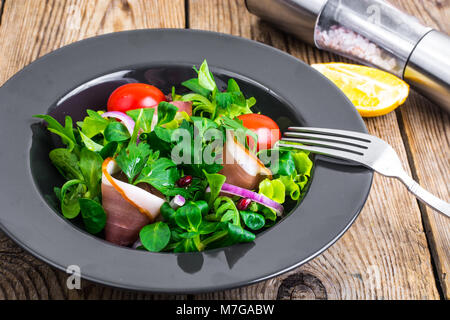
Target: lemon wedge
(372, 91)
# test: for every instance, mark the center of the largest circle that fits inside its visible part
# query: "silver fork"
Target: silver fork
(365, 149)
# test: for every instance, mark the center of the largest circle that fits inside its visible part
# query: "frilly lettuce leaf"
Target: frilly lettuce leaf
(273, 189)
(292, 188)
(301, 180)
(303, 163)
(292, 171)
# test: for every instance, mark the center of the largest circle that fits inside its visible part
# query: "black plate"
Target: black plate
(286, 88)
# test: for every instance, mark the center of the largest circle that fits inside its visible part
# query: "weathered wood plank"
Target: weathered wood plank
(385, 253)
(427, 131)
(29, 29)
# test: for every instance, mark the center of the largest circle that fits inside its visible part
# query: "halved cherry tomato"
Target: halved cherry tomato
(135, 96)
(267, 130)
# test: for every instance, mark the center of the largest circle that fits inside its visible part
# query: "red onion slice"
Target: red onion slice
(126, 119)
(177, 201)
(256, 197)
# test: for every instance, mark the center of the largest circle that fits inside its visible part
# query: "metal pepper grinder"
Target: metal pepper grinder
(372, 32)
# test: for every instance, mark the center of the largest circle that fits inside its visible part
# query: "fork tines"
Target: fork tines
(332, 142)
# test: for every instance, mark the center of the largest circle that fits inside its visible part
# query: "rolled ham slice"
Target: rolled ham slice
(241, 167)
(128, 208)
(185, 106)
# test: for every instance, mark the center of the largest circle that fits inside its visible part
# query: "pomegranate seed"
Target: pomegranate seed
(243, 203)
(184, 181)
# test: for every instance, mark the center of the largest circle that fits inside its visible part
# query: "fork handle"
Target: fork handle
(425, 196)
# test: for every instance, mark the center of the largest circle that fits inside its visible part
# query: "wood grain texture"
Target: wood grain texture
(30, 29)
(385, 253)
(426, 129)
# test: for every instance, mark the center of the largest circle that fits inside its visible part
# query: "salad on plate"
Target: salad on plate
(177, 172)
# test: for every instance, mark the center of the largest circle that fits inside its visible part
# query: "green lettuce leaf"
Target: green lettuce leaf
(273, 189)
(194, 85)
(205, 78)
(215, 182)
(93, 124)
(89, 143)
(291, 187)
(303, 164)
(146, 118)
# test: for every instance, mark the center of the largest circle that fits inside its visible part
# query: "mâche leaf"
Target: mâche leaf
(166, 112)
(186, 245)
(146, 117)
(205, 78)
(109, 149)
(91, 167)
(66, 132)
(188, 217)
(167, 212)
(66, 162)
(224, 99)
(215, 182)
(155, 236)
(202, 205)
(116, 131)
(207, 227)
(94, 216)
(89, 143)
(137, 128)
(194, 85)
(189, 235)
(71, 192)
(239, 234)
(253, 220)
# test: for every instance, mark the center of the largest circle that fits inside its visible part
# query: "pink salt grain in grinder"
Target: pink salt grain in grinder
(371, 32)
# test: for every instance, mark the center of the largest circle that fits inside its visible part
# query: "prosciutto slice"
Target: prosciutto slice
(242, 168)
(185, 106)
(128, 207)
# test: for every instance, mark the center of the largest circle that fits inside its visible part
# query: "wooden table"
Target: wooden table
(397, 248)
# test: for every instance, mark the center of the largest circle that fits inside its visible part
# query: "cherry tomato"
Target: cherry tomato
(135, 96)
(266, 129)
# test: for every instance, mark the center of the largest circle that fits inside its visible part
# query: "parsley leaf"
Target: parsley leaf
(133, 159)
(162, 174)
